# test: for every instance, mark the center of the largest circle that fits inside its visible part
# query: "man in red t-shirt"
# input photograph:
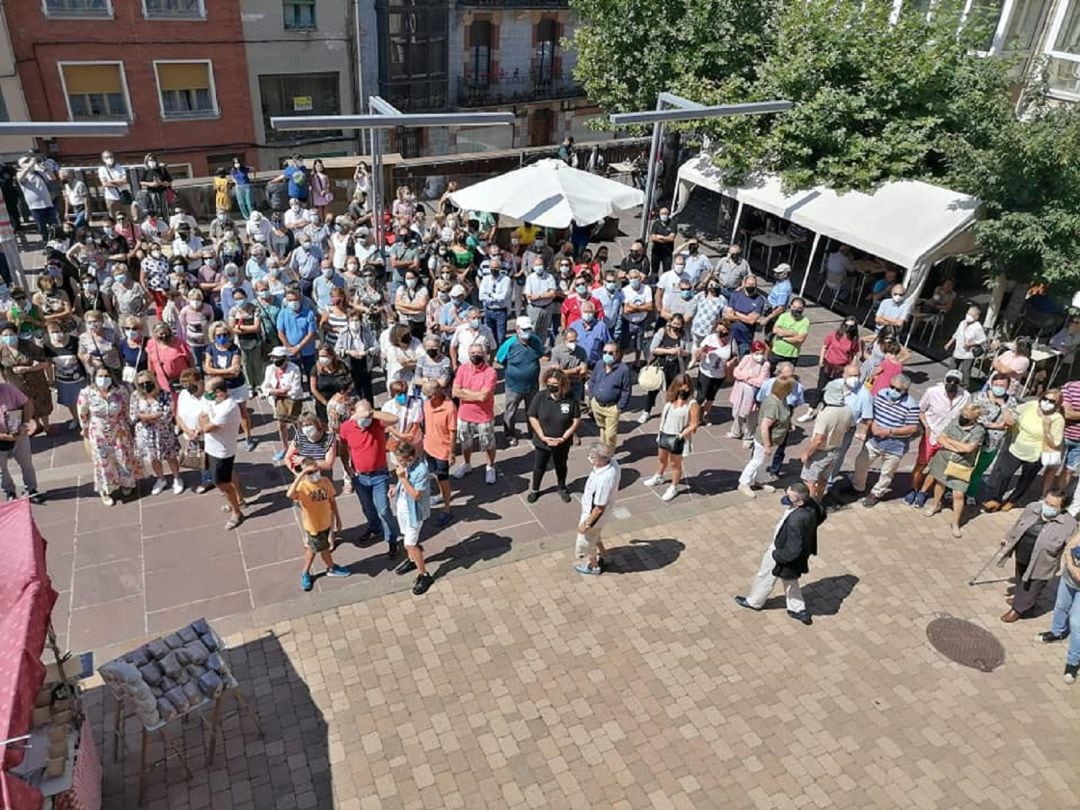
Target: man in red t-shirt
(474, 387)
(571, 307)
(365, 436)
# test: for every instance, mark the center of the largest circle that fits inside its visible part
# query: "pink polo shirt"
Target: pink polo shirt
(476, 379)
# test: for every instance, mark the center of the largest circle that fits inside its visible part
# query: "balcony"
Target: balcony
(514, 3)
(515, 88)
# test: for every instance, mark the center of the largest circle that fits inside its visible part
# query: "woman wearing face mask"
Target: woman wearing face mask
(998, 415)
(411, 304)
(968, 342)
(554, 417)
(68, 374)
(330, 377)
(436, 304)
(156, 183)
(282, 386)
(169, 357)
(245, 324)
(716, 356)
(409, 412)
(195, 320)
(873, 357)
(25, 367)
(370, 300)
(132, 349)
(312, 441)
(223, 359)
(155, 274)
(103, 416)
(27, 316)
(335, 317)
(951, 468)
(839, 349)
(54, 305)
(750, 374)
(710, 309)
(891, 364)
(401, 353)
(98, 344)
(151, 411)
(241, 175)
(1036, 445)
(433, 364)
(679, 420)
(355, 344)
(670, 349)
(128, 296)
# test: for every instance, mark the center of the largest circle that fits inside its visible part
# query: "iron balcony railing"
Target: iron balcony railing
(485, 90)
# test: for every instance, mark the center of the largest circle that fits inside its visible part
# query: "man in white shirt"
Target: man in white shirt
(540, 292)
(495, 293)
(33, 181)
(219, 424)
(114, 182)
(471, 332)
(697, 266)
(637, 305)
(180, 218)
(668, 283)
(597, 500)
(838, 268)
(295, 218)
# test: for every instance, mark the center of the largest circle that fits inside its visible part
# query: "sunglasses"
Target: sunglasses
(898, 390)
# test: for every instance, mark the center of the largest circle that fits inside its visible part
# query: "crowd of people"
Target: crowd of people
(380, 366)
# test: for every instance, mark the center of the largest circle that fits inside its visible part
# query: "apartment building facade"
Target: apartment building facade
(176, 70)
(12, 100)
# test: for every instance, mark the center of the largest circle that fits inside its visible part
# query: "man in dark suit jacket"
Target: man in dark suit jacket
(788, 556)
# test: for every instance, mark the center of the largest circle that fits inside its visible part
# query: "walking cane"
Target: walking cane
(973, 581)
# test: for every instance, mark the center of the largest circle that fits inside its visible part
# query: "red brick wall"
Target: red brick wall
(40, 43)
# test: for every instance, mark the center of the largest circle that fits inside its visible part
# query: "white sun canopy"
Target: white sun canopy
(909, 223)
(549, 193)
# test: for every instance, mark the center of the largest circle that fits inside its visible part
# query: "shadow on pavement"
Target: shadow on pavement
(642, 555)
(823, 596)
(480, 546)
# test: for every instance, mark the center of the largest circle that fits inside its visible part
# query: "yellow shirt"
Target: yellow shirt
(221, 193)
(1028, 444)
(526, 234)
(316, 504)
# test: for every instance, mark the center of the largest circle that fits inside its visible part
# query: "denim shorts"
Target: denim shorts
(1072, 455)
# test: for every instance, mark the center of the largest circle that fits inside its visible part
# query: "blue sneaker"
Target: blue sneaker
(909, 499)
(585, 568)
(920, 500)
(338, 571)
(307, 582)
(443, 520)
(279, 455)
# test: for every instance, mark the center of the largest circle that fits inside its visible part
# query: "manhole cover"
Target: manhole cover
(966, 643)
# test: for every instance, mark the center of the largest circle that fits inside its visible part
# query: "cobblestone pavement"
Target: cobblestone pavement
(523, 684)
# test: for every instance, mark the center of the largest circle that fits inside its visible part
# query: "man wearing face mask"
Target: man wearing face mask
(235, 284)
(731, 271)
(610, 386)
(540, 293)
(667, 287)
(939, 406)
(794, 542)
(662, 240)
(219, 424)
(638, 305)
(894, 310)
(1036, 542)
(636, 259)
(474, 388)
(697, 265)
(365, 436)
(896, 420)
(611, 299)
(861, 406)
(320, 518)
(114, 183)
(597, 500)
(520, 356)
(298, 329)
(495, 294)
(745, 308)
(328, 280)
(571, 307)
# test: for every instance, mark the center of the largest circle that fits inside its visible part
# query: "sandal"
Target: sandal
(108, 500)
(232, 524)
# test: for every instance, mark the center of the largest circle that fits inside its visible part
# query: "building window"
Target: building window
(1023, 21)
(480, 53)
(186, 89)
(78, 8)
(299, 15)
(1064, 50)
(410, 141)
(174, 9)
(95, 90)
(299, 94)
(413, 37)
(546, 42)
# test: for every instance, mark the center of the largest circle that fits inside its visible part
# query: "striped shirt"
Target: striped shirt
(317, 450)
(1070, 396)
(904, 412)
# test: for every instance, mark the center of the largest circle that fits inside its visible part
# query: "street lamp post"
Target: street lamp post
(385, 115)
(670, 107)
(45, 129)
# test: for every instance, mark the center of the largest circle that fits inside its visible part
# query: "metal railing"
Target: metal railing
(486, 90)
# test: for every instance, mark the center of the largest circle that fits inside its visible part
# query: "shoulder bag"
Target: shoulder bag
(672, 442)
(651, 377)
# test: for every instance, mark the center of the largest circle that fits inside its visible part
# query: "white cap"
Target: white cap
(457, 290)
(524, 322)
(279, 351)
(782, 270)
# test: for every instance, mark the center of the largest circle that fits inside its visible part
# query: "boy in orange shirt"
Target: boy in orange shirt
(440, 427)
(319, 515)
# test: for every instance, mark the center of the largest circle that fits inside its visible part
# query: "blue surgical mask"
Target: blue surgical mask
(611, 286)
(891, 393)
(1050, 512)
(635, 283)
(222, 340)
(998, 390)
(121, 278)
(609, 359)
(364, 421)
(294, 306)
(401, 399)
(11, 340)
(588, 317)
(581, 289)
(686, 295)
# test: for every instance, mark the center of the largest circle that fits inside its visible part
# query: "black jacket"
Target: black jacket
(797, 540)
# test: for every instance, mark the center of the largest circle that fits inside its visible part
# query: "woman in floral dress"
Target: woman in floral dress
(25, 367)
(103, 416)
(155, 432)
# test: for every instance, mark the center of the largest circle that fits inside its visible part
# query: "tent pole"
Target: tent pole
(809, 264)
(650, 179)
(738, 218)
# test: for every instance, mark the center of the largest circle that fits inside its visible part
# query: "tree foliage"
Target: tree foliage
(876, 99)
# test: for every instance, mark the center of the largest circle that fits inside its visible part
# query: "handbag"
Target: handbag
(651, 377)
(961, 472)
(672, 442)
(192, 456)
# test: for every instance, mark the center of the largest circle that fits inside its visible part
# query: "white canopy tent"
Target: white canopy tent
(909, 223)
(549, 193)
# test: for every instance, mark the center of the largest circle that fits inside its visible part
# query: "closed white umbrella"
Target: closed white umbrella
(550, 194)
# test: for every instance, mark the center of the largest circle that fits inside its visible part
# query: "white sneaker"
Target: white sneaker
(462, 471)
(653, 480)
(643, 417)
(159, 486)
(669, 493)
(177, 485)
(489, 475)
(745, 490)
(806, 417)
(731, 434)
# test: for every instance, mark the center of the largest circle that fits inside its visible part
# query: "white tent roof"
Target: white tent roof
(907, 222)
(549, 193)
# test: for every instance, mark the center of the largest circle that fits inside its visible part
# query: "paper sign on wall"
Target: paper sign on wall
(302, 104)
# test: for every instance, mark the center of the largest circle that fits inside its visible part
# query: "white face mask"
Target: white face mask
(103, 382)
(897, 298)
(758, 357)
(851, 382)
(314, 477)
(311, 433)
(1048, 407)
(969, 318)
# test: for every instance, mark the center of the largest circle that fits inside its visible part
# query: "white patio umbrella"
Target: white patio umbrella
(549, 193)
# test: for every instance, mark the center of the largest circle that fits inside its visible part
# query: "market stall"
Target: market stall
(48, 755)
